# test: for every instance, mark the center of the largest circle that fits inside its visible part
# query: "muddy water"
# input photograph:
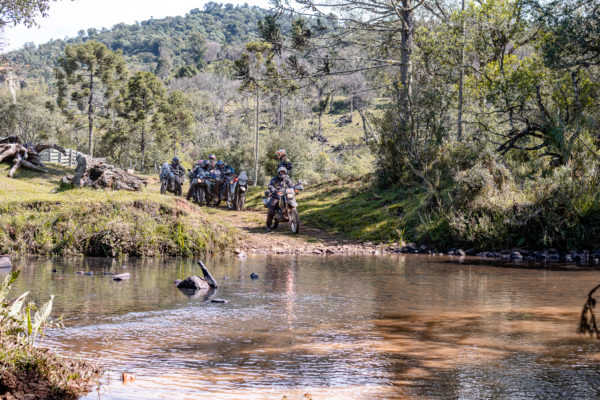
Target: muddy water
(337, 328)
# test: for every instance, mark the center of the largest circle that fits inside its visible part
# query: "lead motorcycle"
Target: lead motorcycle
(287, 208)
(198, 186)
(236, 191)
(169, 181)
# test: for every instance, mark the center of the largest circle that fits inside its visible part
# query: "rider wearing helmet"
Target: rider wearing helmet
(277, 183)
(177, 168)
(283, 160)
(212, 161)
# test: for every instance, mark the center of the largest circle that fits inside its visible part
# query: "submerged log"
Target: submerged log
(97, 174)
(12, 149)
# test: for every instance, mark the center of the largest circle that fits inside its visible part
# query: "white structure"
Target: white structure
(55, 156)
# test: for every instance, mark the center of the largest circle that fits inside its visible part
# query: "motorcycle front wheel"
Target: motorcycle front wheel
(294, 220)
(240, 202)
(230, 205)
(163, 188)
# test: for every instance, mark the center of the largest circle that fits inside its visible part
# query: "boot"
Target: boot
(270, 215)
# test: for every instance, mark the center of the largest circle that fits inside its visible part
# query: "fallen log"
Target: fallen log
(97, 174)
(12, 149)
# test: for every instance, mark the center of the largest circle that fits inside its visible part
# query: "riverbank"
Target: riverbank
(553, 219)
(27, 371)
(37, 218)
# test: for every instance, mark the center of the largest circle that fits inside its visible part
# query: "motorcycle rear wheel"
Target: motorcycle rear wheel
(294, 220)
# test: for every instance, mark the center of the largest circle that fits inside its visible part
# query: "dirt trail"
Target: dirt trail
(256, 240)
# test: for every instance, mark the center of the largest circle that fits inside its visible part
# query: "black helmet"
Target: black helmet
(176, 160)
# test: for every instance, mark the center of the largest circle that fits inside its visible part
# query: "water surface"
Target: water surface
(393, 327)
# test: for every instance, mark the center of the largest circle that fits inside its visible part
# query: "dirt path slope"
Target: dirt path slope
(256, 240)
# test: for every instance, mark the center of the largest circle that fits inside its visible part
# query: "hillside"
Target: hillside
(163, 43)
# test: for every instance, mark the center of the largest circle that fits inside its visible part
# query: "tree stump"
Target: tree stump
(97, 174)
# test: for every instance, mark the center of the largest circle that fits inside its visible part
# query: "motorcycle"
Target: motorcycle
(236, 187)
(214, 183)
(287, 208)
(169, 182)
(198, 187)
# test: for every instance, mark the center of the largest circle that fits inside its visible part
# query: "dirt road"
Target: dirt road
(256, 239)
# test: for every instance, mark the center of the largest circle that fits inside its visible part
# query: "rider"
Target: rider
(212, 162)
(283, 160)
(277, 183)
(177, 168)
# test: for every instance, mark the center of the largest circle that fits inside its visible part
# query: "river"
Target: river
(387, 327)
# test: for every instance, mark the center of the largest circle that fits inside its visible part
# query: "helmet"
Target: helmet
(176, 160)
(220, 163)
(280, 170)
(280, 153)
(212, 157)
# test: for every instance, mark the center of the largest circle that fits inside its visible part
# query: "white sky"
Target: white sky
(66, 18)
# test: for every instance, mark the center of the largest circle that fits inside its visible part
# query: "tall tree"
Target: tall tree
(249, 69)
(89, 76)
(141, 104)
(178, 120)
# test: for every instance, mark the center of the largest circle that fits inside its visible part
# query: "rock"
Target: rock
(54, 270)
(121, 277)
(471, 252)
(422, 248)
(554, 257)
(80, 272)
(193, 282)
(516, 256)
(177, 281)
(254, 276)
(238, 251)
(221, 301)
(241, 255)
(123, 266)
(567, 258)
(459, 252)
(343, 120)
(5, 261)
(581, 257)
(90, 273)
(483, 254)
(329, 251)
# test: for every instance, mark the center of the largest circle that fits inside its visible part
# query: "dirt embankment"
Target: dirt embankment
(256, 240)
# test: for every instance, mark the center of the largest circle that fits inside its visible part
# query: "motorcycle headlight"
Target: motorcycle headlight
(243, 189)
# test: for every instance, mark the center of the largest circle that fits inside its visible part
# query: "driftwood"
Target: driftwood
(97, 174)
(12, 149)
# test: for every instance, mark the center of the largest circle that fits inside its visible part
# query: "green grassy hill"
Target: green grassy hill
(36, 217)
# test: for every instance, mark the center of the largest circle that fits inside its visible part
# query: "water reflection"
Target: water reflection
(339, 327)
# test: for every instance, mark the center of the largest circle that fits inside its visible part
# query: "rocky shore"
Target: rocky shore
(514, 255)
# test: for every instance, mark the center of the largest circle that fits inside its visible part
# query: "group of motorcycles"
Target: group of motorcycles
(214, 186)
(208, 187)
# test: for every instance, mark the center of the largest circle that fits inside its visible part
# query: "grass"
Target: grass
(36, 217)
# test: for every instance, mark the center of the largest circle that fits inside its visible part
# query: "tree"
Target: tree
(14, 12)
(141, 104)
(89, 76)
(178, 119)
(249, 69)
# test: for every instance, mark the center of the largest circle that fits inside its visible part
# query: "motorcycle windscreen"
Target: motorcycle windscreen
(243, 178)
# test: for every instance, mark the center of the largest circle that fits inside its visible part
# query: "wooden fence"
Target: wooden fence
(55, 156)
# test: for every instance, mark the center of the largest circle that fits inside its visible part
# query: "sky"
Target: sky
(65, 18)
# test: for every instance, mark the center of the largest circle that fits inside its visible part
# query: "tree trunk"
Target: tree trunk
(90, 117)
(143, 147)
(406, 50)
(351, 107)
(461, 80)
(256, 142)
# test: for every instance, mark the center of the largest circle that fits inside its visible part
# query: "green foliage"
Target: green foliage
(88, 77)
(22, 11)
